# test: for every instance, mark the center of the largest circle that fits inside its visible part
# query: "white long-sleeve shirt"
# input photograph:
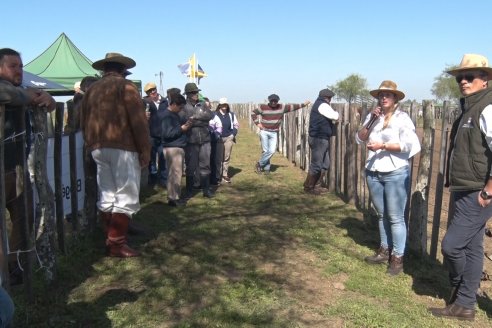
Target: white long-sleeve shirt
(400, 130)
(327, 111)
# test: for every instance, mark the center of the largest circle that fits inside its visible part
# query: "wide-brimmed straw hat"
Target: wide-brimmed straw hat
(473, 62)
(114, 57)
(388, 86)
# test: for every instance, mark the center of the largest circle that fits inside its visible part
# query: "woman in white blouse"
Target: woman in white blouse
(390, 137)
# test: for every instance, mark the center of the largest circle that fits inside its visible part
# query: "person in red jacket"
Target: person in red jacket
(116, 133)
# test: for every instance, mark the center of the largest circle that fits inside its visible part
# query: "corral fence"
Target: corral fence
(429, 200)
(59, 174)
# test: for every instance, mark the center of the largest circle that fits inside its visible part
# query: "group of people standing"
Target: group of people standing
(168, 134)
(189, 135)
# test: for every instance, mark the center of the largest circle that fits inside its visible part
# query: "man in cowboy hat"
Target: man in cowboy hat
(469, 179)
(267, 118)
(197, 152)
(116, 133)
(321, 128)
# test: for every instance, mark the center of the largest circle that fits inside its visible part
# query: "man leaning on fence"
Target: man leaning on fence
(470, 182)
(321, 128)
(267, 118)
(116, 133)
(15, 97)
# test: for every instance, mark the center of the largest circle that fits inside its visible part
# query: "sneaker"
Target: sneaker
(226, 179)
(258, 168)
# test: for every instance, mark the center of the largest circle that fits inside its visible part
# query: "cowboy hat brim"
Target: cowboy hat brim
(399, 95)
(125, 61)
(457, 71)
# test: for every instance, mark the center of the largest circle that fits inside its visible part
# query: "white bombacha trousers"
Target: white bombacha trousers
(118, 180)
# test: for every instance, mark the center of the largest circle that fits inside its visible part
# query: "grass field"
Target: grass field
(260, 254)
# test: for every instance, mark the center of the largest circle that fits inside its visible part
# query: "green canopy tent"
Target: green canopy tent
(62, 62)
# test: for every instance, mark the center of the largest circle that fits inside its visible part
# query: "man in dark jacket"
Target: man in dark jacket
(320, 130)
(155, 107)
(197, 154)
(470, 181)
(174, 140)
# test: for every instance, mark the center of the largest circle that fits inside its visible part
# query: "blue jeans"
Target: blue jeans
(462, 245)
(269, 146)
(389, 194)
(6, 308)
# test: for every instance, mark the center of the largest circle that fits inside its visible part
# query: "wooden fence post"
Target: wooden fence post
(46, 231)
(57, 165)
(417, 236)
(4, 271)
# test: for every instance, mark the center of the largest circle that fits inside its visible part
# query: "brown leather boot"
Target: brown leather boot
(454, 311)
(117, 237)
(318, 185)
(309, 184)
(395, 265)
(382, 255)
(453, 295)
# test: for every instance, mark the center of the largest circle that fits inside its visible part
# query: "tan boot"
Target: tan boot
(117, 237)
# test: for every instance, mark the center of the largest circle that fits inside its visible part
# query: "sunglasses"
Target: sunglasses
(468, 77)
(152, 91)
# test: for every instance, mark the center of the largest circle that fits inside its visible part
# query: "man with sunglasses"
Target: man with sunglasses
(155, 107)
(268, 118)
(470, 182)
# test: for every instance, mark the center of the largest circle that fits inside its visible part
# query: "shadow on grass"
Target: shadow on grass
(430, 277)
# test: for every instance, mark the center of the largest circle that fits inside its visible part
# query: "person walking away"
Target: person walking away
(155, 107)
(268, 117)
(390, 138)
(470, 182)
(174, 140)
(116, 132)
(197, 152)
(321, 128)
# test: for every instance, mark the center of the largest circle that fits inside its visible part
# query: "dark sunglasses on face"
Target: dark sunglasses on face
(468, 77)
(152, 91)
(193, 93)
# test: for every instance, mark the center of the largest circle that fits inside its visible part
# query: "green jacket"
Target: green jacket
(470, 158)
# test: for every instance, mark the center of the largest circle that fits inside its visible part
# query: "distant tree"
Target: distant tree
(354, 85)
(445, 86)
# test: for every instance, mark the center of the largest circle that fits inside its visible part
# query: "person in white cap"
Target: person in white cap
(469, 179)
(230, 126)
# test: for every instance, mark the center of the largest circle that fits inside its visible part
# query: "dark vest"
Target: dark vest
(319, 126)
(470, 160)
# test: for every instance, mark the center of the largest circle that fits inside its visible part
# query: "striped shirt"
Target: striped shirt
(271, 118)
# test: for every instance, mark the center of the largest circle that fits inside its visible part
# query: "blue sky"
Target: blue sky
(250, 49)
